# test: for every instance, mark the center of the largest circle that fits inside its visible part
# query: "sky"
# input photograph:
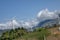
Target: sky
(25, 9)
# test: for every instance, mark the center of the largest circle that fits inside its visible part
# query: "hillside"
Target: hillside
(52, 33)
(23, 34)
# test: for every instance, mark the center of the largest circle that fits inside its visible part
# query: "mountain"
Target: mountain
(43, 18)
(47, 18)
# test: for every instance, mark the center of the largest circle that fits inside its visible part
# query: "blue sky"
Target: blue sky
(25, 9)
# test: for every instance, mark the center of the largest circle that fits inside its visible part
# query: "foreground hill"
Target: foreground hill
(52, 33)
(23, 34)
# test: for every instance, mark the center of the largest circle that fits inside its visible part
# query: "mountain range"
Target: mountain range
(43, 18)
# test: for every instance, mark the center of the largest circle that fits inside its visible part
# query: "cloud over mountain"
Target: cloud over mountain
(42, 15)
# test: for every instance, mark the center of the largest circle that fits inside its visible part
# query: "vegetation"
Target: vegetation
(21, 33)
